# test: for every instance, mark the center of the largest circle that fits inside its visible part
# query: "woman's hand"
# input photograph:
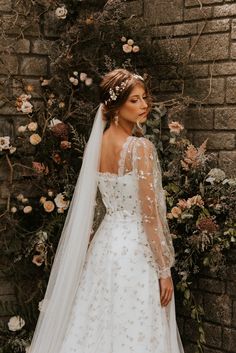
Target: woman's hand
(166, 290)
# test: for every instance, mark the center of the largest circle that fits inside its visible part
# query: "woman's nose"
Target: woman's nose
(144, 103)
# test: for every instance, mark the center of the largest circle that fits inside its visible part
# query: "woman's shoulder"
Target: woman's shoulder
(143, 143)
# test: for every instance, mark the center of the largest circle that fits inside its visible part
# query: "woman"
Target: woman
(115, 296)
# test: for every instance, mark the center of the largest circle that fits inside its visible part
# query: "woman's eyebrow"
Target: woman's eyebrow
(137, 95)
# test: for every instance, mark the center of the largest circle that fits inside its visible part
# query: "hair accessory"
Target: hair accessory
(138, 77)
(114, 93)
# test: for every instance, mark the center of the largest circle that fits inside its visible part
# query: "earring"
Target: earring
(116, 118)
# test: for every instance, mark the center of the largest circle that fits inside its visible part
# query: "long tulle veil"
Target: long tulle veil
(71, 251)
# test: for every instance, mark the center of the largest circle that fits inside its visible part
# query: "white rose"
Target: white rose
(75, 82)
(123, 39)
(54, 122)
(32, 126)
(50, 193)
(22, 128)
(26, 107)
(75, 73)
(4, 143)
(35, 139)
(88, 81)
(16, 323)
(12, 149)
(127, 48)
(61, 12)
(27, 209)
(130, 42)
(82, 76)
(60, 202)
(136, 49)
(71, 79)
(24, 200)
(13, 209)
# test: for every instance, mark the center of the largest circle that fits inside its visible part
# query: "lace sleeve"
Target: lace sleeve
(151, 195)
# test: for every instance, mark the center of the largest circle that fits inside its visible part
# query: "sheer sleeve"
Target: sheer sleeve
(152, 203)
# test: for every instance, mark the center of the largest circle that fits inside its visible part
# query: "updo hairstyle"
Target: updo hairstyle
(123, 82)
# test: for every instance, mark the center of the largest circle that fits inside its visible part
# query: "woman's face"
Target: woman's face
(136, 106)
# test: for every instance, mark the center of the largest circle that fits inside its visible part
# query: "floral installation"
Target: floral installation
(200, 197)
(23, 104)
(129, 46)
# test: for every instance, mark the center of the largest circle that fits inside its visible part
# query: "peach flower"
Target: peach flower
(35, 139)
(48, 206)
(175, 127)
(176, 211)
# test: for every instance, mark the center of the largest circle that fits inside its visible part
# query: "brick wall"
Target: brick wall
(23, 60)
(197, 47)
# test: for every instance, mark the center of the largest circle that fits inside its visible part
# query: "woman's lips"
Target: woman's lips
(144, 113)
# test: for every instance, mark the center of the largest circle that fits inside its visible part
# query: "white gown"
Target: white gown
(117, 306)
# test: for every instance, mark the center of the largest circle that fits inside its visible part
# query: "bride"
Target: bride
(114, 295)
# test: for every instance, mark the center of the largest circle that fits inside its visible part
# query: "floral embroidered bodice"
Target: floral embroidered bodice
(136, 192)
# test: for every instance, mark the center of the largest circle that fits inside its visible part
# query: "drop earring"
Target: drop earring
(116, 118)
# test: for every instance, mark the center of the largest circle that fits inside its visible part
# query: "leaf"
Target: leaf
(187, 294)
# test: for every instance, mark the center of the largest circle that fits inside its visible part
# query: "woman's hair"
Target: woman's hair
(115, 88)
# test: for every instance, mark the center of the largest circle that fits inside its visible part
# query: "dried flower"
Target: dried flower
(16, 323)
(32, 126)
(130, 42)
(60, 202)
(35, 139)
(208, 225)
(48, 206)
(40, 168)
(42, 200)
(175, 127)
(13, 209)
(61, 12)
(182, 204)
(54, 122)
(176, 211)
(26, 107)
(60, 130)
(123, 39)
(38, 260)
(4, 143)
(216, 175)
(136, 49)
(12, 149)
(127, 48)
(88, 81)
(22, 128)
(195, 201)
(61, 105)
(20, 197)
(50, 193)
(27, 209)
(194, 157)
(57, 158)
(65, 145)
(25, 200)
(82, 76)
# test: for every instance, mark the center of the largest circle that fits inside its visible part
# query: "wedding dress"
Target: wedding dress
(117, 305)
